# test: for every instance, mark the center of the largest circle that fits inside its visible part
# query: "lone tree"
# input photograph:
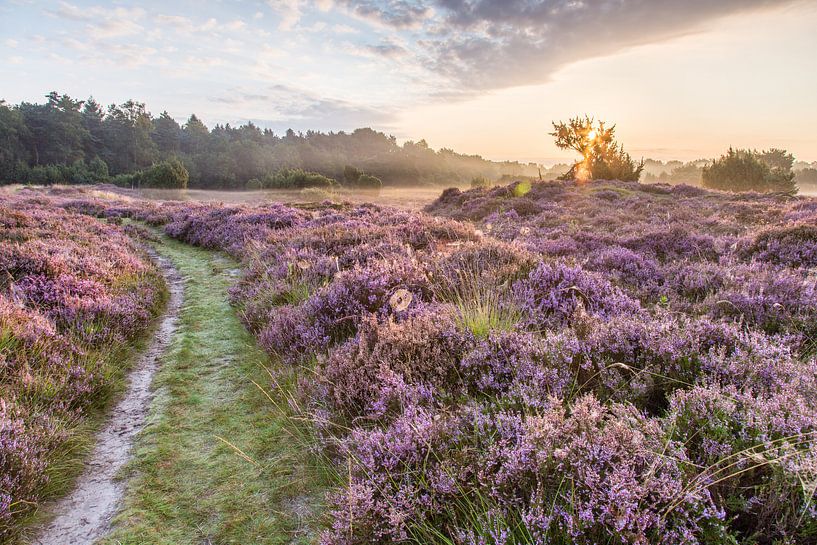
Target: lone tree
(746, 170)
(602, 157)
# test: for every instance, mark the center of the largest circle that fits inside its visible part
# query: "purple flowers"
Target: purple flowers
(72, 289)
(601, 363)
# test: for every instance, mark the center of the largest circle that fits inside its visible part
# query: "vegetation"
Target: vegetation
(806, 176)
(745, 170)
(170, 174)
(354, 177)
(480, 181)
(291, 178)
(75, 296)
(219, 462)
(127, 139)
(576, 373)
(602, 157)
(674, 172)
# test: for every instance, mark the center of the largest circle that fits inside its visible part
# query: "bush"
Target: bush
(79, 172)
(168, 174)
(745, 170)
(254, 184)
(296, 178)
(480, 181)
(355, 177)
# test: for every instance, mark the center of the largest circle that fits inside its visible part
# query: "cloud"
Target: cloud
(185, 25)
(486, 44)
(102, 22)
(300, 109)
(288, 10)
(489, 44)
(399, 14)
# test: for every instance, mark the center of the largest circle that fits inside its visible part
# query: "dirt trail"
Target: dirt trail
(85, 514)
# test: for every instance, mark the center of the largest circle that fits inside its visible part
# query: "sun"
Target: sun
(591, 135)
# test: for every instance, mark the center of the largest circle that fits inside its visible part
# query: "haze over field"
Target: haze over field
(683, 80)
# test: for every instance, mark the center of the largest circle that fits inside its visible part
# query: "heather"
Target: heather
(554, 362)
(75, 291)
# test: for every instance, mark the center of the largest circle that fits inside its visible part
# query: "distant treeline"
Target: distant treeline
(676, 172)
(79, 141)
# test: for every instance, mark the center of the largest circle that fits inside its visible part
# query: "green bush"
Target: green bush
(79, 172)
(367, 181)
(170, 174)
(354, 177)
(126, 180)
(745, 170)
(296, 178)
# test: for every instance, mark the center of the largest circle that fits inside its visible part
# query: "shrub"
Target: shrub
(73, 290)
(744, 170)
(170, 174)
(296, 178)
(555, 294)
(354, 177)
(480, 181)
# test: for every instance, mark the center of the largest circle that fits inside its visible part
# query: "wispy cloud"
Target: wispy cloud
(297, 108)
(289, 12)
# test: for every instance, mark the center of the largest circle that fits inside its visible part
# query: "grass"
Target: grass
(217, 461)
(67, 461)
(482, 303)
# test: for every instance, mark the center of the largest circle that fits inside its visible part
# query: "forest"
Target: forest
(65, 140)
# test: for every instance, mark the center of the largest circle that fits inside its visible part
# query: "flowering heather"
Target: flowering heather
(73, 290)
(562, 363)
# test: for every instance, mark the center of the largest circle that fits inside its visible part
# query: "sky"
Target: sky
(680, 79)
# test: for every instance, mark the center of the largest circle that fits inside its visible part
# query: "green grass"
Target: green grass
(67, 461)
(218, 461)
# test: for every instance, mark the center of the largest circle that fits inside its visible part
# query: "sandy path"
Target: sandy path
(85, 514)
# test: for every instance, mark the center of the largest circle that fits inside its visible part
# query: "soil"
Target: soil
(85, 514)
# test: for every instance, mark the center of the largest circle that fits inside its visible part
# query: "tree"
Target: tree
(167, 135)
(128, 128)
(776, 159)
(93, 120)
(806, 176)
(602, 156)
(69, 135)
(745, 170)
(55, 132)
(12, 137)
(194, 136)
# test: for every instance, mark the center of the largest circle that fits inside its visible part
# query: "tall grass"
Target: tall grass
(482, 301)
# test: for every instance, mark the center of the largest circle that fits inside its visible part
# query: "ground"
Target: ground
(217, 462)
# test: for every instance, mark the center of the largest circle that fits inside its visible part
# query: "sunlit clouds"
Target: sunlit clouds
(480, 76)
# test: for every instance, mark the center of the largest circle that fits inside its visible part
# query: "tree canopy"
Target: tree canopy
(747, 170)
(58, 141)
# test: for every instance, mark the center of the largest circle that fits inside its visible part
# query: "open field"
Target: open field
(413, 198)
(558, 362)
